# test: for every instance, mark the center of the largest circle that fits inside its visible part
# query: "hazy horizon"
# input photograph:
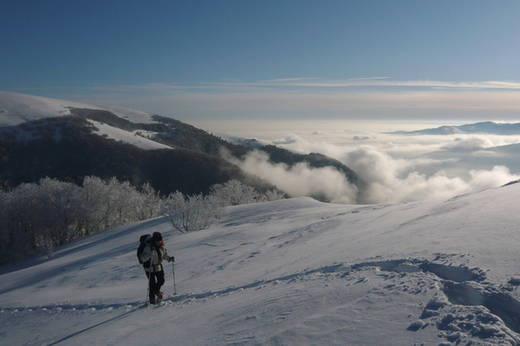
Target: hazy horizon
(395, 168)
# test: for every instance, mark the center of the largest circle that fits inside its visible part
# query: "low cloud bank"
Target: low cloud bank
(468, 144)
(393, 169)
(300, 180)
(390, 181)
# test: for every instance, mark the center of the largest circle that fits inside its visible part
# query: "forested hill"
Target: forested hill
(182, 135)
(42, 137)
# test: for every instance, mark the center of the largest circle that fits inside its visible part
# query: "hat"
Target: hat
(157, 236)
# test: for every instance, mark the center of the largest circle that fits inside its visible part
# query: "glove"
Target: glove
(171, 259)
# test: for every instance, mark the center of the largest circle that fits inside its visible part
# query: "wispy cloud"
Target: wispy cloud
(314, 83)
(381, 82)
(304, 97)
(297, 79)
(292, 84)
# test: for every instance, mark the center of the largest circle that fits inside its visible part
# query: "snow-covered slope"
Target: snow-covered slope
(16, 109)
(290, 272)
(133, 138)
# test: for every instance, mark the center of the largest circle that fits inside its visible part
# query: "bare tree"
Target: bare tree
(191, 213)
(37, 217)
(273, 195)
(234, 192)
(197, 212)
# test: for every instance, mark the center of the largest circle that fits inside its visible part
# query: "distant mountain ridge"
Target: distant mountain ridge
(486, 127)
(42, 137)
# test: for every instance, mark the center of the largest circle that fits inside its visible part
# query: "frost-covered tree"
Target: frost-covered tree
(25, 214)
(60, 204)
(273, 195)
(191, 213)
(234, 192)
(96, 208)
(149, 203)
(37, 217)
(112, 202)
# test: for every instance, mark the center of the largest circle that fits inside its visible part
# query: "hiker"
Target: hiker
(152, 254)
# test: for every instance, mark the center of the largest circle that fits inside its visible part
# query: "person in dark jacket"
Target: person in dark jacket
(152, 256)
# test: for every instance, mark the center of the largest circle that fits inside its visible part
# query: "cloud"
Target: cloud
(384, 82)
(386, 179)
(333, 104)
(389, 181)
(483, 179)
(304, 83)
(286, 140)
(300, 97)
(468, 144)
(360, 138)
(403, 168)
(300, 180)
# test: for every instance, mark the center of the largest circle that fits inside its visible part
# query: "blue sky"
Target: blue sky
(257, 59)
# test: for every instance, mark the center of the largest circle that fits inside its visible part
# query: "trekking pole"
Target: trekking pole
(150, 273)
(173, 272)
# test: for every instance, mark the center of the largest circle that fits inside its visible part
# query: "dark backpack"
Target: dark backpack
(143, 240)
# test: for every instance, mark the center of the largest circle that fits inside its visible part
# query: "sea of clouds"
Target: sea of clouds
(393, 168)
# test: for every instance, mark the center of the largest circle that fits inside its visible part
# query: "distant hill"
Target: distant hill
(181, 135)
(487, 127)
(78, 153)
(42, 137)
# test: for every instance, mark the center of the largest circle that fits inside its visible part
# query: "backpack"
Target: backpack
(143, 240)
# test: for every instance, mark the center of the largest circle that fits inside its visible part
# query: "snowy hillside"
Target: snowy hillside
(290, 272)
(16, 109)
(133, 138)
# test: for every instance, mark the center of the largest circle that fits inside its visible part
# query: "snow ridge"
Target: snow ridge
(16, 109)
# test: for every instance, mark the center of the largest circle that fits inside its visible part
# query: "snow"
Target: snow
(289, 272)
(133, 138)
(16, 109)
